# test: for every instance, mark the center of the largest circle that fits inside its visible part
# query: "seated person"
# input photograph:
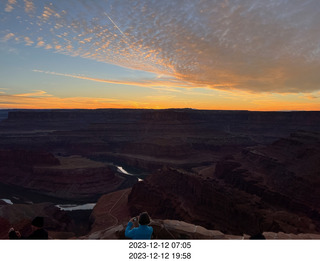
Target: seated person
(38, 231)
(13, 234)
(143, 231)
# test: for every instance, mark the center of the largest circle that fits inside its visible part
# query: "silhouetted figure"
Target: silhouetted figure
(257, 236)
(14, 234)
(38, 231)
(143, 231)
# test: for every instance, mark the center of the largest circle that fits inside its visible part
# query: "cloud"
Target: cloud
(7, 37)
(28, 41)
(312, 96)
(36, 93)
(252, 45)
(10, 4)
(153, 83)
(40, 43)
(43, 100)
(48, 46)
(29, 6)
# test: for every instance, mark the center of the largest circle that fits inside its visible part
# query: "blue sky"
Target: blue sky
(230, 54)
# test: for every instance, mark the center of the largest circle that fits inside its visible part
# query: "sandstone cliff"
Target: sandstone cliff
(148, 139)
(238, 172)
(71, 177)
(265, 188)
(111, 214)
(19, 216)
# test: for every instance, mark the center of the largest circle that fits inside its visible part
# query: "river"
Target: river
(67, 207)
(90, 206)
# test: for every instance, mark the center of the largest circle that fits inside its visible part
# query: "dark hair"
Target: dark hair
(144, 218)
(38, 222)
(13, 235)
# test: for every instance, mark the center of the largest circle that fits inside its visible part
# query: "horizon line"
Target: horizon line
(124, 108)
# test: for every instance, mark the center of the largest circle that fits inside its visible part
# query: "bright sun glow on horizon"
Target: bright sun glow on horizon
(211, 54)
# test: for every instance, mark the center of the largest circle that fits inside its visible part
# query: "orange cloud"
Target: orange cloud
(8, 37)
(28, 41)
(29, 6)
(10, 4)
(158, 82)
(36, 93)
(40, 99)
(43, 100)
(255, 45)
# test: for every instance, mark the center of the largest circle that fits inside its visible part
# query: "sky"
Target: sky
(261, 55)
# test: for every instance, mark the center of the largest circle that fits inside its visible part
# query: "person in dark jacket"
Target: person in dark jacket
(38, 231)
(13, 234)
(143, 231)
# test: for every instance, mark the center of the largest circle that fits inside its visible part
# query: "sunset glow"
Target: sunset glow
(224, 55)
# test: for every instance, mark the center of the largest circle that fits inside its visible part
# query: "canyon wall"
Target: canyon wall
(67, 178)
(264, 188)
(238, 172)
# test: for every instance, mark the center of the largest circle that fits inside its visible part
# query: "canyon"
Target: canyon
(237, 173)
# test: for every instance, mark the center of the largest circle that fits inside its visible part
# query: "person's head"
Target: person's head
(13, 235)
(37, 222)
(144, 218)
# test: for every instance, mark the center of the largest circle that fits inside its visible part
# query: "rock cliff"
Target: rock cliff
(19, 216)
(111, 214)
(148, 139)
(68, 178)
(237, 172)
(264, 188)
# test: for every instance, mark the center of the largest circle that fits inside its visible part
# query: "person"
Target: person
(38, 231)
(13, 234)
(143, 231)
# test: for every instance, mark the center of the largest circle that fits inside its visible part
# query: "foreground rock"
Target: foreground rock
(19, 216)
(111, 214)
(110, 211)
(175, 229)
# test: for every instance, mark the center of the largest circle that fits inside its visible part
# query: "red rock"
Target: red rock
(4, 228)
(19, 216)
(72, 177)
(110, 211)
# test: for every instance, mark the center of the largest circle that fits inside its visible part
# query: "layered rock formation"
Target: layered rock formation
(238, 172)
(110, 211)
(111, 214)
(68, 178)
(149, 139)
(285, 174)
(19, 216)
(175, 229)
(268, 188)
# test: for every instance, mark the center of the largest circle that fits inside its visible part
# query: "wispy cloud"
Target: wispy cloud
(252, 45)
(42, 100)
(28, 41)
(10, 5)
(312, 96)
(154, 83)
(7, 37)
(29, 6)
(36, 93)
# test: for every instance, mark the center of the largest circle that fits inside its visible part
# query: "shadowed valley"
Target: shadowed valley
(199, 174)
